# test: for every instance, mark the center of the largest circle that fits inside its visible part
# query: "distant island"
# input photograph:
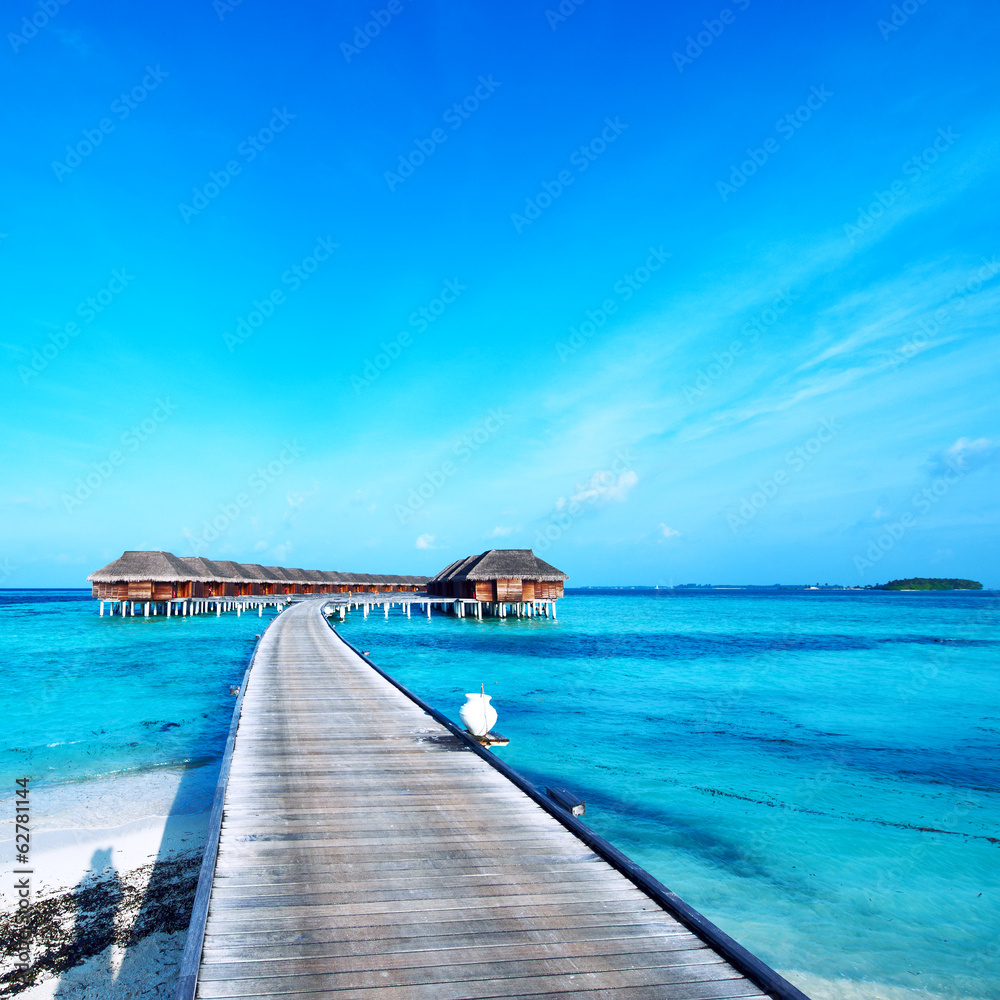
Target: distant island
(929, 583)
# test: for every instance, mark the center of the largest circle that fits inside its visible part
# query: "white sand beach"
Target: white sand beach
(111, 901)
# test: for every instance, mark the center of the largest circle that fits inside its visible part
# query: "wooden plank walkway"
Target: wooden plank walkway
(368, 851)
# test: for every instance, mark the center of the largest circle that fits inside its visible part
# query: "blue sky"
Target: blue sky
(698, 294)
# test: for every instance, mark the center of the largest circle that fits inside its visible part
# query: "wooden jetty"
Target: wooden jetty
(363, 847)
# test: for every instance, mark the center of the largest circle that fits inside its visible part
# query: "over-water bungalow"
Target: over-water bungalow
(499, 575)
(145, 576)
(162, 576)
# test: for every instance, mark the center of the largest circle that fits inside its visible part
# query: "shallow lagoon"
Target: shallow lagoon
(816, 771)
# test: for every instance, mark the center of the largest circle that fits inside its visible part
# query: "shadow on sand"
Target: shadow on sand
(76, 935)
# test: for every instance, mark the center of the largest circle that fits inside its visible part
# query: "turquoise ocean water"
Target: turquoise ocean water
(818, 772)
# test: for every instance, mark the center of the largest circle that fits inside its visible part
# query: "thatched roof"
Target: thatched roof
(165, 567)
(260, 574)
(208, 569)
(280, 574)
(237, 570)
(160, 567)
(501, 564)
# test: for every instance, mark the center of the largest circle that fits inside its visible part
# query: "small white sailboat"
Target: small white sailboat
(477, 714)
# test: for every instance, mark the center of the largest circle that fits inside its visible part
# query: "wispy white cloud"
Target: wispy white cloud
(425, 542)
(965, 455)
(603, 487)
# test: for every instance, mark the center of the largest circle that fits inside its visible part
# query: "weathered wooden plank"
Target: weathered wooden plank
(532, 921)
(371, 926)
(413, 893)
(494, 979)
(470, 862)
(269, 855)
(458, 880)
(304, 842)
(466, 963)
(731, 989)
(420, 902)
(263, 920)
(563, 941)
